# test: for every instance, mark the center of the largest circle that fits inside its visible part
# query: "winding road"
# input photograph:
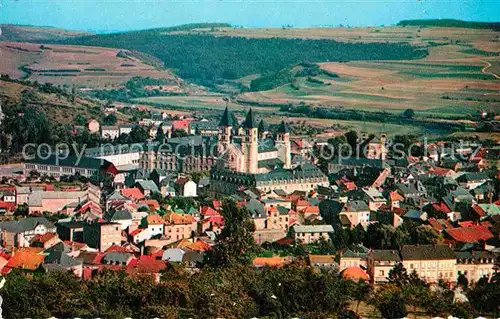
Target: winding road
(483, 70)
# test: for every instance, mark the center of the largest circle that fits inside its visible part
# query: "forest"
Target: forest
(450, 23)
(208, 60)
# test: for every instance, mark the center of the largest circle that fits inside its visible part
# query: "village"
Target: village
(138, 207)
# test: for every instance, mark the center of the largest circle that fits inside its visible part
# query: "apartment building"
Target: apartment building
(430, 262)
(101, 236)
(380, 263)
(475, 265)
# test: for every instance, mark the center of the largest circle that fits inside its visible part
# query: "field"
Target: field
(459, 77)
(83, 66)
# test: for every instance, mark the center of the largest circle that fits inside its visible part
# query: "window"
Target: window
(411, 266)
(381, 273)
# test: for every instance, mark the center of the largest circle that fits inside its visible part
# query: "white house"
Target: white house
(189, 189)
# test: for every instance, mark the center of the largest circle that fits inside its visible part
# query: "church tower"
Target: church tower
(283, 145)
(249, 144)
(225, 128)
(263, 132)
(383, 141)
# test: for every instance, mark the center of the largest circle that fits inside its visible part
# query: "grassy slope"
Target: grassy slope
(20, 33)
(57, 108)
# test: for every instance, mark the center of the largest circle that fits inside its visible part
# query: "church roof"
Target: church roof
(227, 118)
(262, 126)
(250, 121)
(282, 128)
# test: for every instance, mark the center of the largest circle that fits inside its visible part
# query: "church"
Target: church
(249, 157)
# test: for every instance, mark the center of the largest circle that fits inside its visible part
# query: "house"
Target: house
(357, 212)
(375, 198)
(110, 132)
(430, 262)
(475, 265)
(58, 259)
(71, 231)
(147, 187)
(260, 262)
(132, 193)
(353, 258)
(139, 235)
(471, 180)
(311, 233)
(102, 235)
(19, 233)
(473, 234)
(189, 189)
(44, 241)
(155, 225)
(178, 227)
(125, 128)
(323, 261)
(380, 262)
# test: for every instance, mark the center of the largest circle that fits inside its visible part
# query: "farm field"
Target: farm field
(83, 66)
(459, 77)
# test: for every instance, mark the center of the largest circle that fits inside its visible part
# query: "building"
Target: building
(56, 166)
(103, 235)
(110, 132)
(380, 262)
(183, 155)
(430, 262)
(125, 129)
(311, 233)
(475, 265)
(357, 212)
(55, 201)
(19, 233)
(126, 156)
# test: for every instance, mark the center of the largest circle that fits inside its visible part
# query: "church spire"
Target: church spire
(250, 121)
(227, 119)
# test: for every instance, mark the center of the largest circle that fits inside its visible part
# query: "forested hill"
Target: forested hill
(451, 23)
(206, 59)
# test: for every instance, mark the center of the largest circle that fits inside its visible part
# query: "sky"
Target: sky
(123, 15)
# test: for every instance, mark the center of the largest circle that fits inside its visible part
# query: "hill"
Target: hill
(82, 66)
(20, 33)
(55, 102)
(208, 59)
(451, 23)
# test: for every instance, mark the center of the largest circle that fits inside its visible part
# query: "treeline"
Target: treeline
(451, 23)
(208, 60)
(355, 115)
(287, 75)
(134, 88)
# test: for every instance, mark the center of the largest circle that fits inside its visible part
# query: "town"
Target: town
(138, 207)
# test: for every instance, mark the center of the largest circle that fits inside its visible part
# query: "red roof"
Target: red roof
(439, 224)
(132, 193)
(441, 207)
(119, 248)
(180, 124)
(207, 211)
(43, 238)
(10, 206)
(440, 171)
(471, 234)
(479, 211)
(146, 265)
(152, 204)
(137, 231)
(354, 273)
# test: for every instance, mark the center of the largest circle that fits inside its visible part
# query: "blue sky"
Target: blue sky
(121, 15)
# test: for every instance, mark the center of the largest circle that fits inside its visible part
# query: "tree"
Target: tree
(235, 244)
(138, 135)
(409, 113)
(361, 292)
(110, 119)
(160, 135)
(80, 120)
(179, 133)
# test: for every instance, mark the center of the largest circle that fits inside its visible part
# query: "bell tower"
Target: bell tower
(283, 145)
(250, 144)
(225, 128)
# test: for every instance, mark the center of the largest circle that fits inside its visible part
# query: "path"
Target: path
(483, 70)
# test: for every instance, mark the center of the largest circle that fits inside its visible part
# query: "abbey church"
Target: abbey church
(249, 157)
(249, 149)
